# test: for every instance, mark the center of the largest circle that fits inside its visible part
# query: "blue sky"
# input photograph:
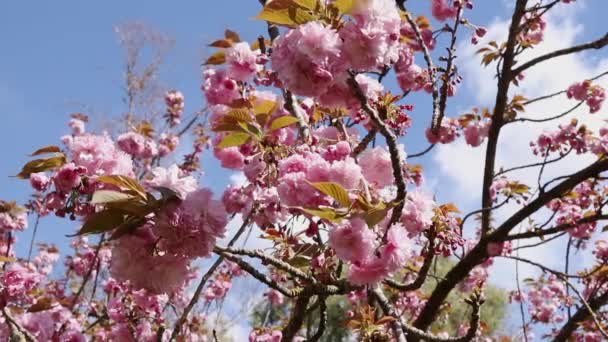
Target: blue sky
(60, 55)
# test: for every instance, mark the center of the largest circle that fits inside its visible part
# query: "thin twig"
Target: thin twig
(88, 275)
(596, 44)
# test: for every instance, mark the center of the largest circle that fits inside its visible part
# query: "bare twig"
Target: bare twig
(266, 259)
(596, 44)
(88, 275)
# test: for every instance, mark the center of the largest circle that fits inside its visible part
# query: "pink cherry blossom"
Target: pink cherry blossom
(191, 228)
(476, 132)
(442, 10)
(352, 241)
(377, 167)
(39, 181)
(68, 177)
(306, 58)
(134, 259)
(219, 88)
(98, 155)
(417, 212)
(174, 179)
(372, 39)
(242, 61)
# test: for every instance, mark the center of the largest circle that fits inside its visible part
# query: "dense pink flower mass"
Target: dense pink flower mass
(476, 132)
(417, 212)
(242, 61)
(376, 166)
(190, 228)
(135, 259)
(371, 40)
(98, 155)
(593, 95)
(12, 218)
(307, 58)
(443, 10)
(218, 87)
(353, 241)
(57, 323)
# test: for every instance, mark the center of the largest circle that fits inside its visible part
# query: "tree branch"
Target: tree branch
(580, 316)
(391, 141)
(557, 229)
(479, 253)
(596, 44)
(266, 259)
(429, 63)
(18, 333)
(504, 81)
(207, 276)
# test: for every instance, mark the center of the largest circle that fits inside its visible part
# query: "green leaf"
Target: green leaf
(289, 17)
(127, 227)
(232, 36)
(375, 215)
(335, 191)
(308, 4)
(42, 304)
(282, 121)
(4, 258)
(239, 115)
(166, 193)
(46, 149)
(101, 222)
(344, 6)
(329, 214)
(299, 261)
(234, 139)
(105, 196)
(39, 165)
(124, 183)
(134, 208)
(265, 107)
(222, 43)
(249, 128)
(216, 59)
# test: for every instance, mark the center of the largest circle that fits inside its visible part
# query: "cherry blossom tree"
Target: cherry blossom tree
(305, 114)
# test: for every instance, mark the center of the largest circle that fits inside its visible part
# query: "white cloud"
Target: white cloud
(460, 167)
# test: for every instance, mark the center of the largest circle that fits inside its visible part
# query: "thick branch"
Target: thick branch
(580, 316)
(363, 144)
(296, 320)
(322, 321)
(479, 253)
(504, 80)
(292, 106)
